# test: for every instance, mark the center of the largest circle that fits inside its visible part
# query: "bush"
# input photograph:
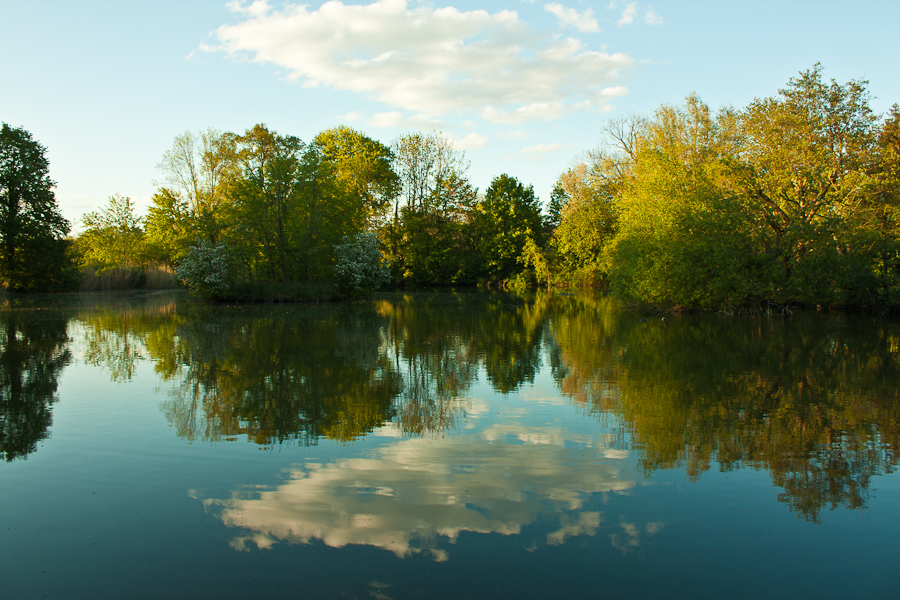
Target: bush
(206, 270)
(359, 265)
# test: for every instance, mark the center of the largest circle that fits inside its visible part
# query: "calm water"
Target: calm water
(444, 446)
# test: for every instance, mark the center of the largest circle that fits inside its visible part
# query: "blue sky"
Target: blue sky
(523, 87)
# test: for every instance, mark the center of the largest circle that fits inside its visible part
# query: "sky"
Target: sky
(522, 87)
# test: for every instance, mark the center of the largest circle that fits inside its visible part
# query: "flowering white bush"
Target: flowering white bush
(359, 266)
(206, 270)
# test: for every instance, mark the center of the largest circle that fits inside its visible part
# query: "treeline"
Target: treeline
(791, 200)
(261, 215)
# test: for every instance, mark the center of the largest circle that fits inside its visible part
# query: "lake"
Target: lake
(444, 446)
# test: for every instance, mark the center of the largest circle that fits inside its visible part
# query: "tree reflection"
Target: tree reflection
(814, 403)
(33, 351)
(813, 400)
(274, 377)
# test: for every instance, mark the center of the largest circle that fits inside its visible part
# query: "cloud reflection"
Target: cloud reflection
(410, 495)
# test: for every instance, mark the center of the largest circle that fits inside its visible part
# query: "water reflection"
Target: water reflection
(812, 401)
(33, 352)
(416, 495)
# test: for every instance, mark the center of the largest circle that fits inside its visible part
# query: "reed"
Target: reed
(151, 277)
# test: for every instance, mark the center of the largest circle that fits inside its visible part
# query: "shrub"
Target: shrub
(206, 270)
(359, 265)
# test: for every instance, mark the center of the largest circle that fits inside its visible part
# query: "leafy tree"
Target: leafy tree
(265, 203)
(804, 168)
(428, 236)
(558, 200)
(32, 230)
(198, 169)
(169, 227)
(786, 201)
(364, 176)
(589, 218)
(113, 236)
(505, 219)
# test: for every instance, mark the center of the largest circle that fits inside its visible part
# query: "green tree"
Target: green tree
(428, 236)
(805, 167)
(198, 169)
(589, 219)
(32, 230)
(169, 226)
(363, 173)
(113, 237)
(505, 219)
(265, 203)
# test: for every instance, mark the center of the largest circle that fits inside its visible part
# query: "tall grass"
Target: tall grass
(151, 277)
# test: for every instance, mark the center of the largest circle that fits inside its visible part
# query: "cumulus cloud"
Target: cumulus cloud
(426, 60)
(569, 17)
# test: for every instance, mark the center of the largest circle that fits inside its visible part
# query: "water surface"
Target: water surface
(443, 446)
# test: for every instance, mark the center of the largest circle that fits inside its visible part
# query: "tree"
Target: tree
(504, 220)
(32, 230)
(589, 218)
(113, 237)
(206, 270)
(804, 168)
(265, 202)
(363, 173)
(170, 227)
(359, 266)
(427, 236)
(198, 169)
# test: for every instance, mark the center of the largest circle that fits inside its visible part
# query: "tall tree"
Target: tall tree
(505, 219)
(363, 174)
(198, 169)
(804, 168)
(32, 230)
(266, 202)
(427, 237)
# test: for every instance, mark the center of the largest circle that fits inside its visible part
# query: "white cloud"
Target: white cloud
(651, 17)
(386, 119)
(570, 17)
(254, 9)
(414, 495)
(614, 92)
(352, 117)
(470, 141)
(628, 15)
(542, 149)
(426, 60)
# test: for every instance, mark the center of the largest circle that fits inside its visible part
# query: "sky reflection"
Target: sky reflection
(416, 494)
